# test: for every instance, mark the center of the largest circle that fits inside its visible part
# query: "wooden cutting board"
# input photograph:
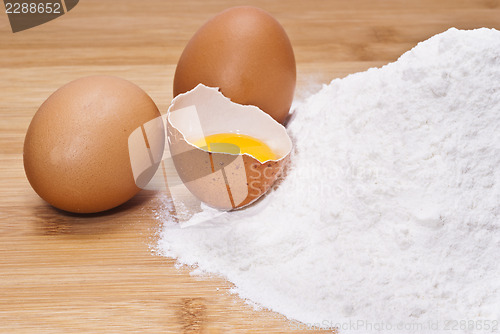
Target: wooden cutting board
(65, 273)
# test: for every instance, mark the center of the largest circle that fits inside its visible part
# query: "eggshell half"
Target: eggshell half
(222, 180)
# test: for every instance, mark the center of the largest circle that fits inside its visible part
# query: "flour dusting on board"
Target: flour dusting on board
(390, 211)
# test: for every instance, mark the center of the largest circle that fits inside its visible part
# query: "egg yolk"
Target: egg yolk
(236, 143)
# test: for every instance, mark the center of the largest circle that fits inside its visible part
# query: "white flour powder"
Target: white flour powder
(391, 210)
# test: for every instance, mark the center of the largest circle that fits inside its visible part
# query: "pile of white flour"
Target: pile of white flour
(391, 210)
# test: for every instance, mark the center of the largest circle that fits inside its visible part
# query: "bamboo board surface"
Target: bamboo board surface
(65, 273)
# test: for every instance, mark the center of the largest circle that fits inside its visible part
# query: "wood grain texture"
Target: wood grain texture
(64, 273)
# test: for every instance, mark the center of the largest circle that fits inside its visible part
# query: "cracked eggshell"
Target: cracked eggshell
(223, 180)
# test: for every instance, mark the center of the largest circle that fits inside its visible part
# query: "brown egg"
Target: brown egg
(247, 54)
(76, 151)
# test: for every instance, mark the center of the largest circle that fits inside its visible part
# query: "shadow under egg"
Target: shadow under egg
(49, 220)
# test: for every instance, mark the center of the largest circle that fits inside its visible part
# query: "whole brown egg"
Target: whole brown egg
(76, 150)
(247, 54)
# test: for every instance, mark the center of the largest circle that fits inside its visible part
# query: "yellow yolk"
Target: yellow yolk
(236, 144)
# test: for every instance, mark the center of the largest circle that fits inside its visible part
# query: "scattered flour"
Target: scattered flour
(390, 211)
